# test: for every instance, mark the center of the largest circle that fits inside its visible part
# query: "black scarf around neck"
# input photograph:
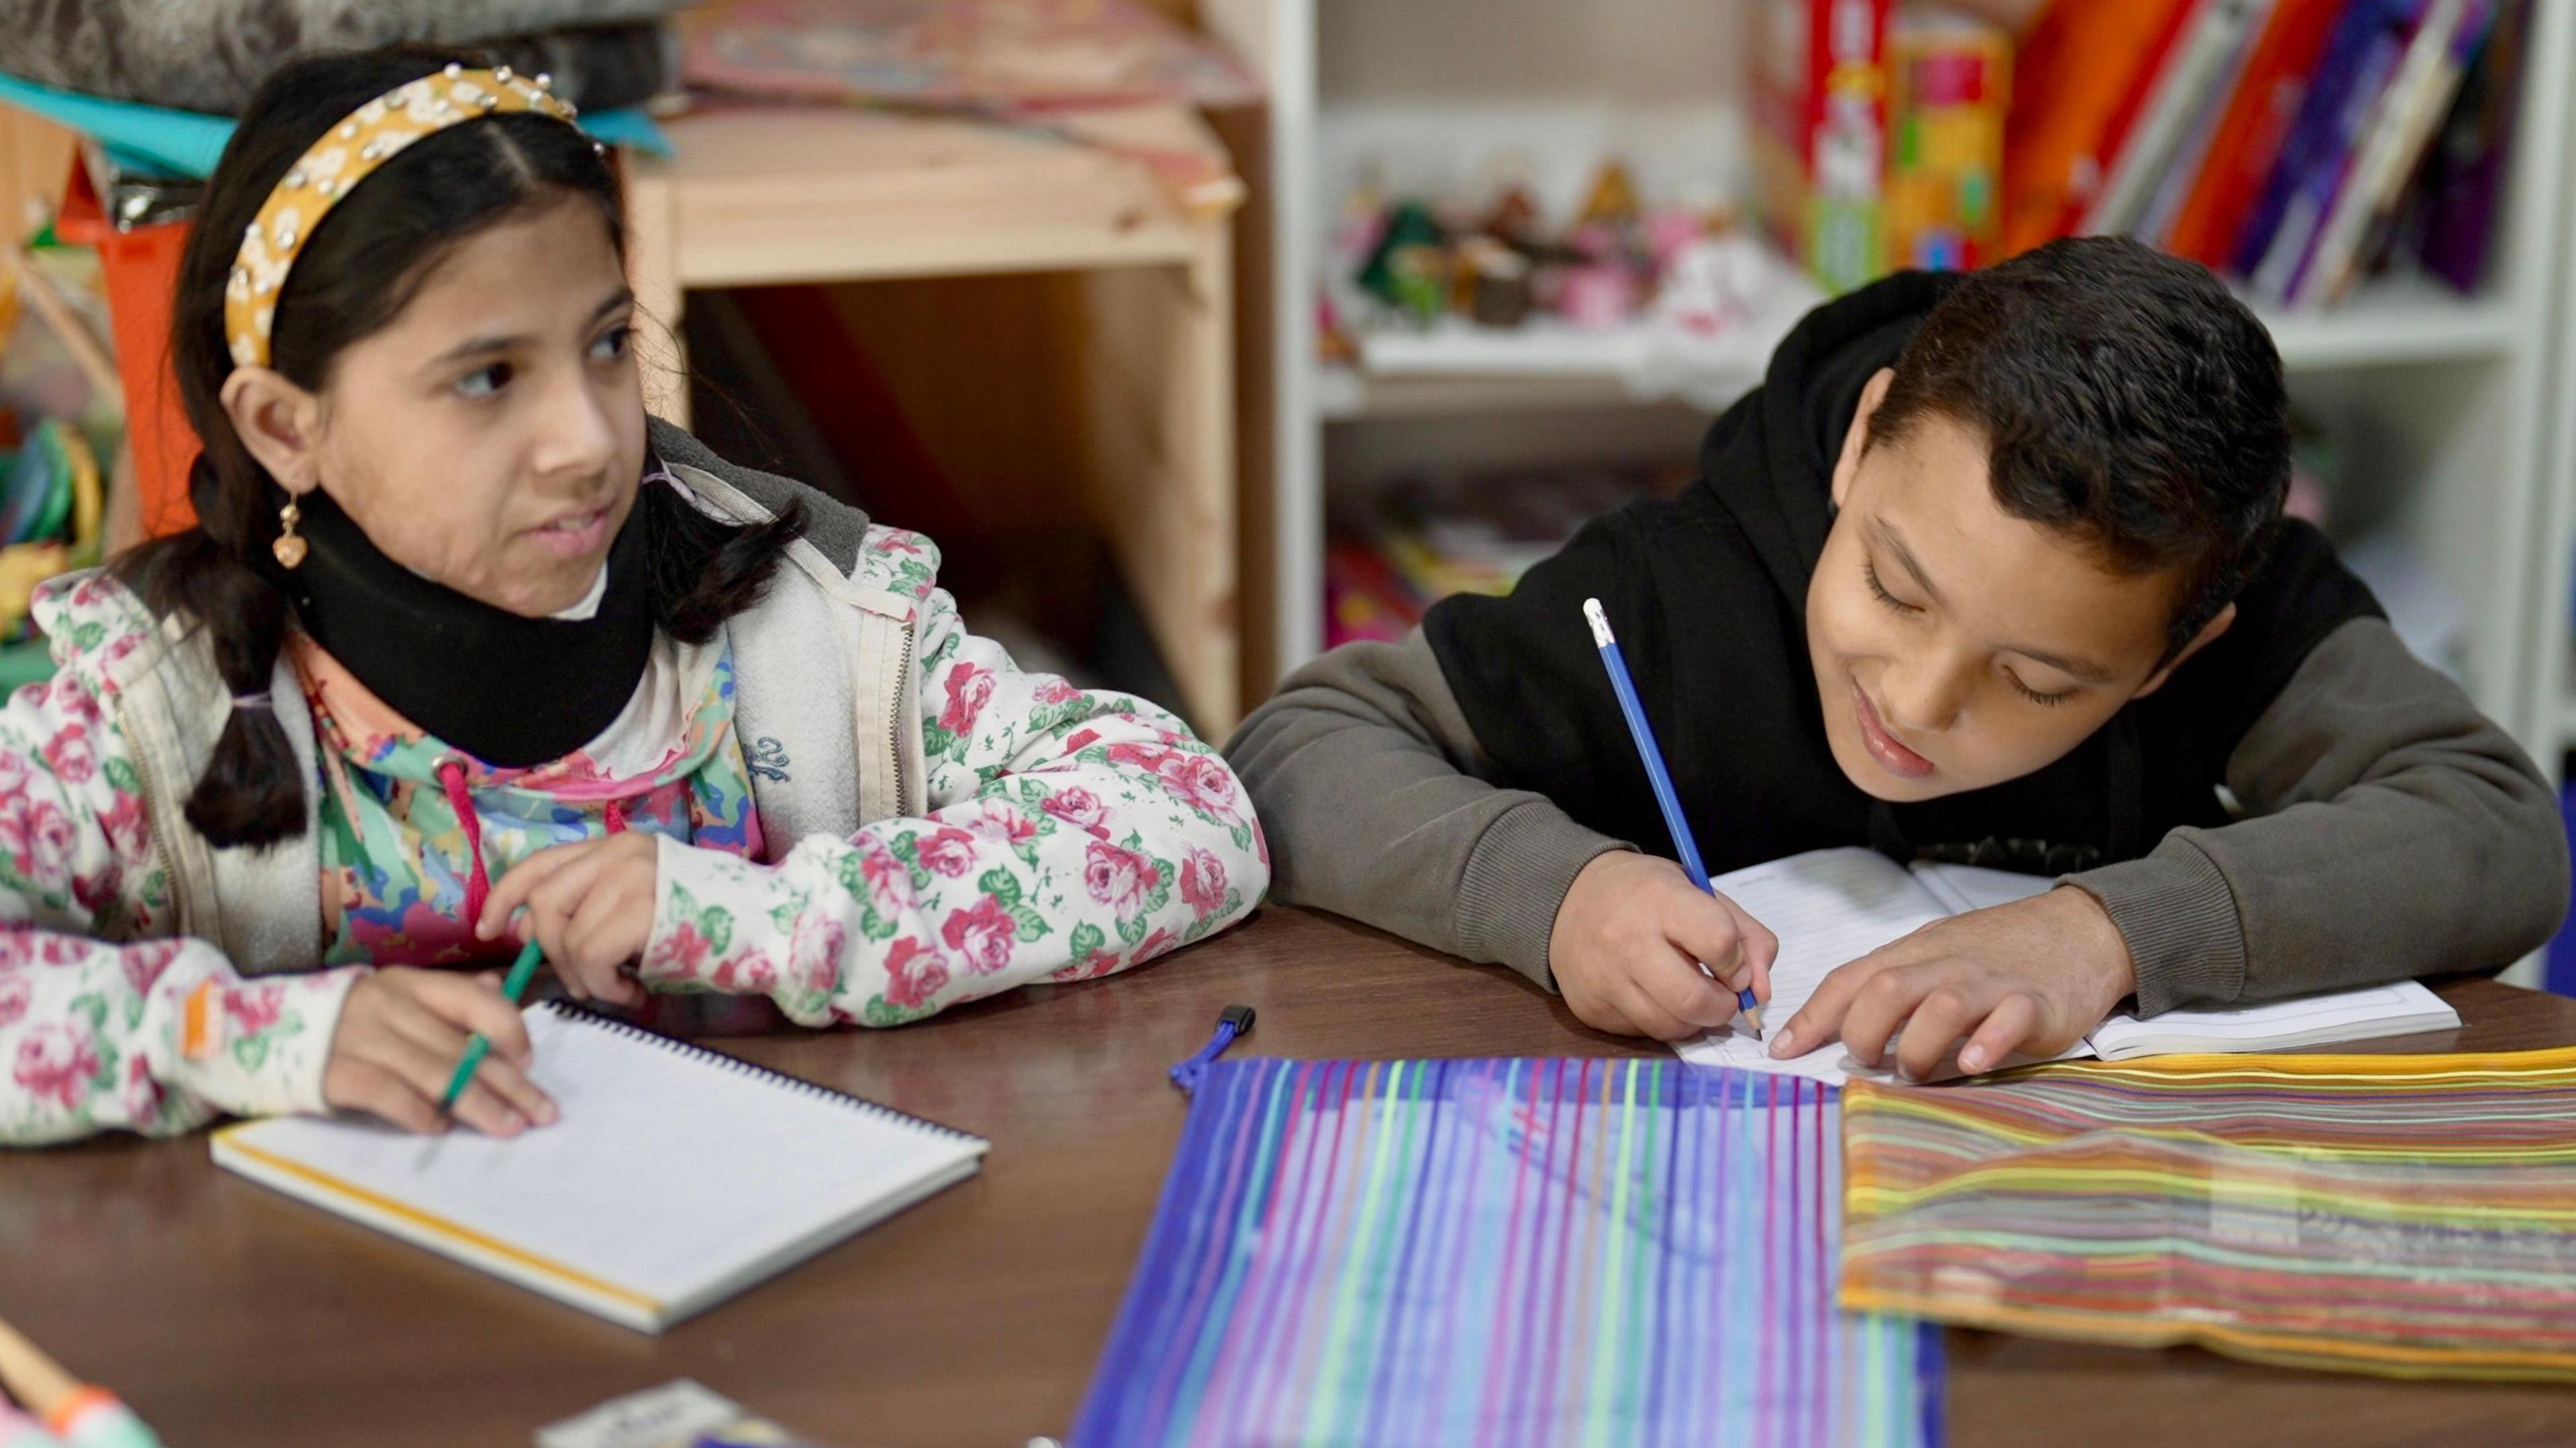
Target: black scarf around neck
(510, 690)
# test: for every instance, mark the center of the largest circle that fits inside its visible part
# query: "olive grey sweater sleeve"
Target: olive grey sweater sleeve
(2392, 831)
(1366, 778)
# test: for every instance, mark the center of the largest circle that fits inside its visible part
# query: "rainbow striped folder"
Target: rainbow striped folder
(2407, 1215)
(1503, 1252)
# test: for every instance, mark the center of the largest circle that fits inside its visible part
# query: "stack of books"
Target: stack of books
(2296, 145)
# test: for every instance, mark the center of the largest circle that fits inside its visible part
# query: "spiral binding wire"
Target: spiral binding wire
(581, 1015)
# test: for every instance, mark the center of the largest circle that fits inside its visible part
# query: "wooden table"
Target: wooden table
(228, 1314)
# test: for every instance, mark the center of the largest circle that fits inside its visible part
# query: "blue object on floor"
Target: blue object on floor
(188, 143)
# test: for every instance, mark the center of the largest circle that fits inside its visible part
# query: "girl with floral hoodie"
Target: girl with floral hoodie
(465, 649)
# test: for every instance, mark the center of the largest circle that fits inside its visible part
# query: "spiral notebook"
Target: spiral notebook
(676, 1177)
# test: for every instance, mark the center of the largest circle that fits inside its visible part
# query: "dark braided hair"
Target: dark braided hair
(362, 264)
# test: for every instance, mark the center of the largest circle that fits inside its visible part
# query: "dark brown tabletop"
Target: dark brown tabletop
(230, 1315)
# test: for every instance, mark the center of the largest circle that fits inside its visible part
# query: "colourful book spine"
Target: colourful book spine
(2203, 52)
(2366, 48)
(2250, 133)
(2465, 177)
(2075, 80)
(2414, 105)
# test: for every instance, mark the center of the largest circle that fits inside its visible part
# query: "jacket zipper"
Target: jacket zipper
(903, 804)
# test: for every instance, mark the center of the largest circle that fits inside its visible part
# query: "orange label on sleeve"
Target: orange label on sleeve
(197, 1022)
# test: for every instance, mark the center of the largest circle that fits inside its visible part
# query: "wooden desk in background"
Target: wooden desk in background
(1143, 334)
(230, 1315)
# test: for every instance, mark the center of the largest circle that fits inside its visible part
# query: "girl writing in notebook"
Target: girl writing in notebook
(465, 646)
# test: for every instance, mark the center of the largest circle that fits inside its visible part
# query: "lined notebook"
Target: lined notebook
(1833, 906)
(675, 1178)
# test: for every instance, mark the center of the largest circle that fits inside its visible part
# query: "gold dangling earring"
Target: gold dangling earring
(288, 548)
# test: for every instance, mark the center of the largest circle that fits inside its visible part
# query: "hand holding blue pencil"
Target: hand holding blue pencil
(1685, 843)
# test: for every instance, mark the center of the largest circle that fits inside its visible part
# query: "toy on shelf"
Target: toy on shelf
(1415, 261)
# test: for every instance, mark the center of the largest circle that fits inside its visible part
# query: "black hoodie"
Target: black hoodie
(1708, 594)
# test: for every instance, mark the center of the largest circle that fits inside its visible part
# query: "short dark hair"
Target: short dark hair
(2125, 396)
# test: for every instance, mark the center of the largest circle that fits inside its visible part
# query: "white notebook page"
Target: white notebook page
(668, 1171)
(2318, 1020)
(1828, 907)
(1974, 887)
(1832, 906)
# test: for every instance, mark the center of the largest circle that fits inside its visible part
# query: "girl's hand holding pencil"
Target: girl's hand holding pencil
(403, 1032)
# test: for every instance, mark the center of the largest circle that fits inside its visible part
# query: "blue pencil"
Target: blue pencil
(1684, 842)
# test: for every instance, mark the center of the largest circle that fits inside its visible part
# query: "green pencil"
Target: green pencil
(522, 970)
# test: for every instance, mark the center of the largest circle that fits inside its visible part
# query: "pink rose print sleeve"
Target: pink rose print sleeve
(150, 1035)
(1070, 834)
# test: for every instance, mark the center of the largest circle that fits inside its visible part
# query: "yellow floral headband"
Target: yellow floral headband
(347, 153)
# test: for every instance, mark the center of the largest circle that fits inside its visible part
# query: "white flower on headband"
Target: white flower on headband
(288, 228)
(324, 164)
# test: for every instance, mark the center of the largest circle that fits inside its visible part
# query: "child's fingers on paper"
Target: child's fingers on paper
(425, 1071)
(1891, 996)
(1650, 1018)
(480, 1107)
(509, 1080)
(2006, 1027)
(1944, 1014)
(1705, 928)
(1675, 985)
(381, 1093)
(465, 1006)
(503, 1069)
(1761, 949)
(1822, 1016)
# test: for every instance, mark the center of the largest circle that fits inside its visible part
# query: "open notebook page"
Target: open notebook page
(2401, 1009)
(1963, 888)
(671, 1173)
(1827, 907)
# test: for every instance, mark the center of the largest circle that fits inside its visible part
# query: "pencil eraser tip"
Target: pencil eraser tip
(1600, 622)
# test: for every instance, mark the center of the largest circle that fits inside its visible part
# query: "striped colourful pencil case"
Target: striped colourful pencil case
(2407, 1215)
(1498, 1252)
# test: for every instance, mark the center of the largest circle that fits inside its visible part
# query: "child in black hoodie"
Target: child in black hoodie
(1991, 568)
